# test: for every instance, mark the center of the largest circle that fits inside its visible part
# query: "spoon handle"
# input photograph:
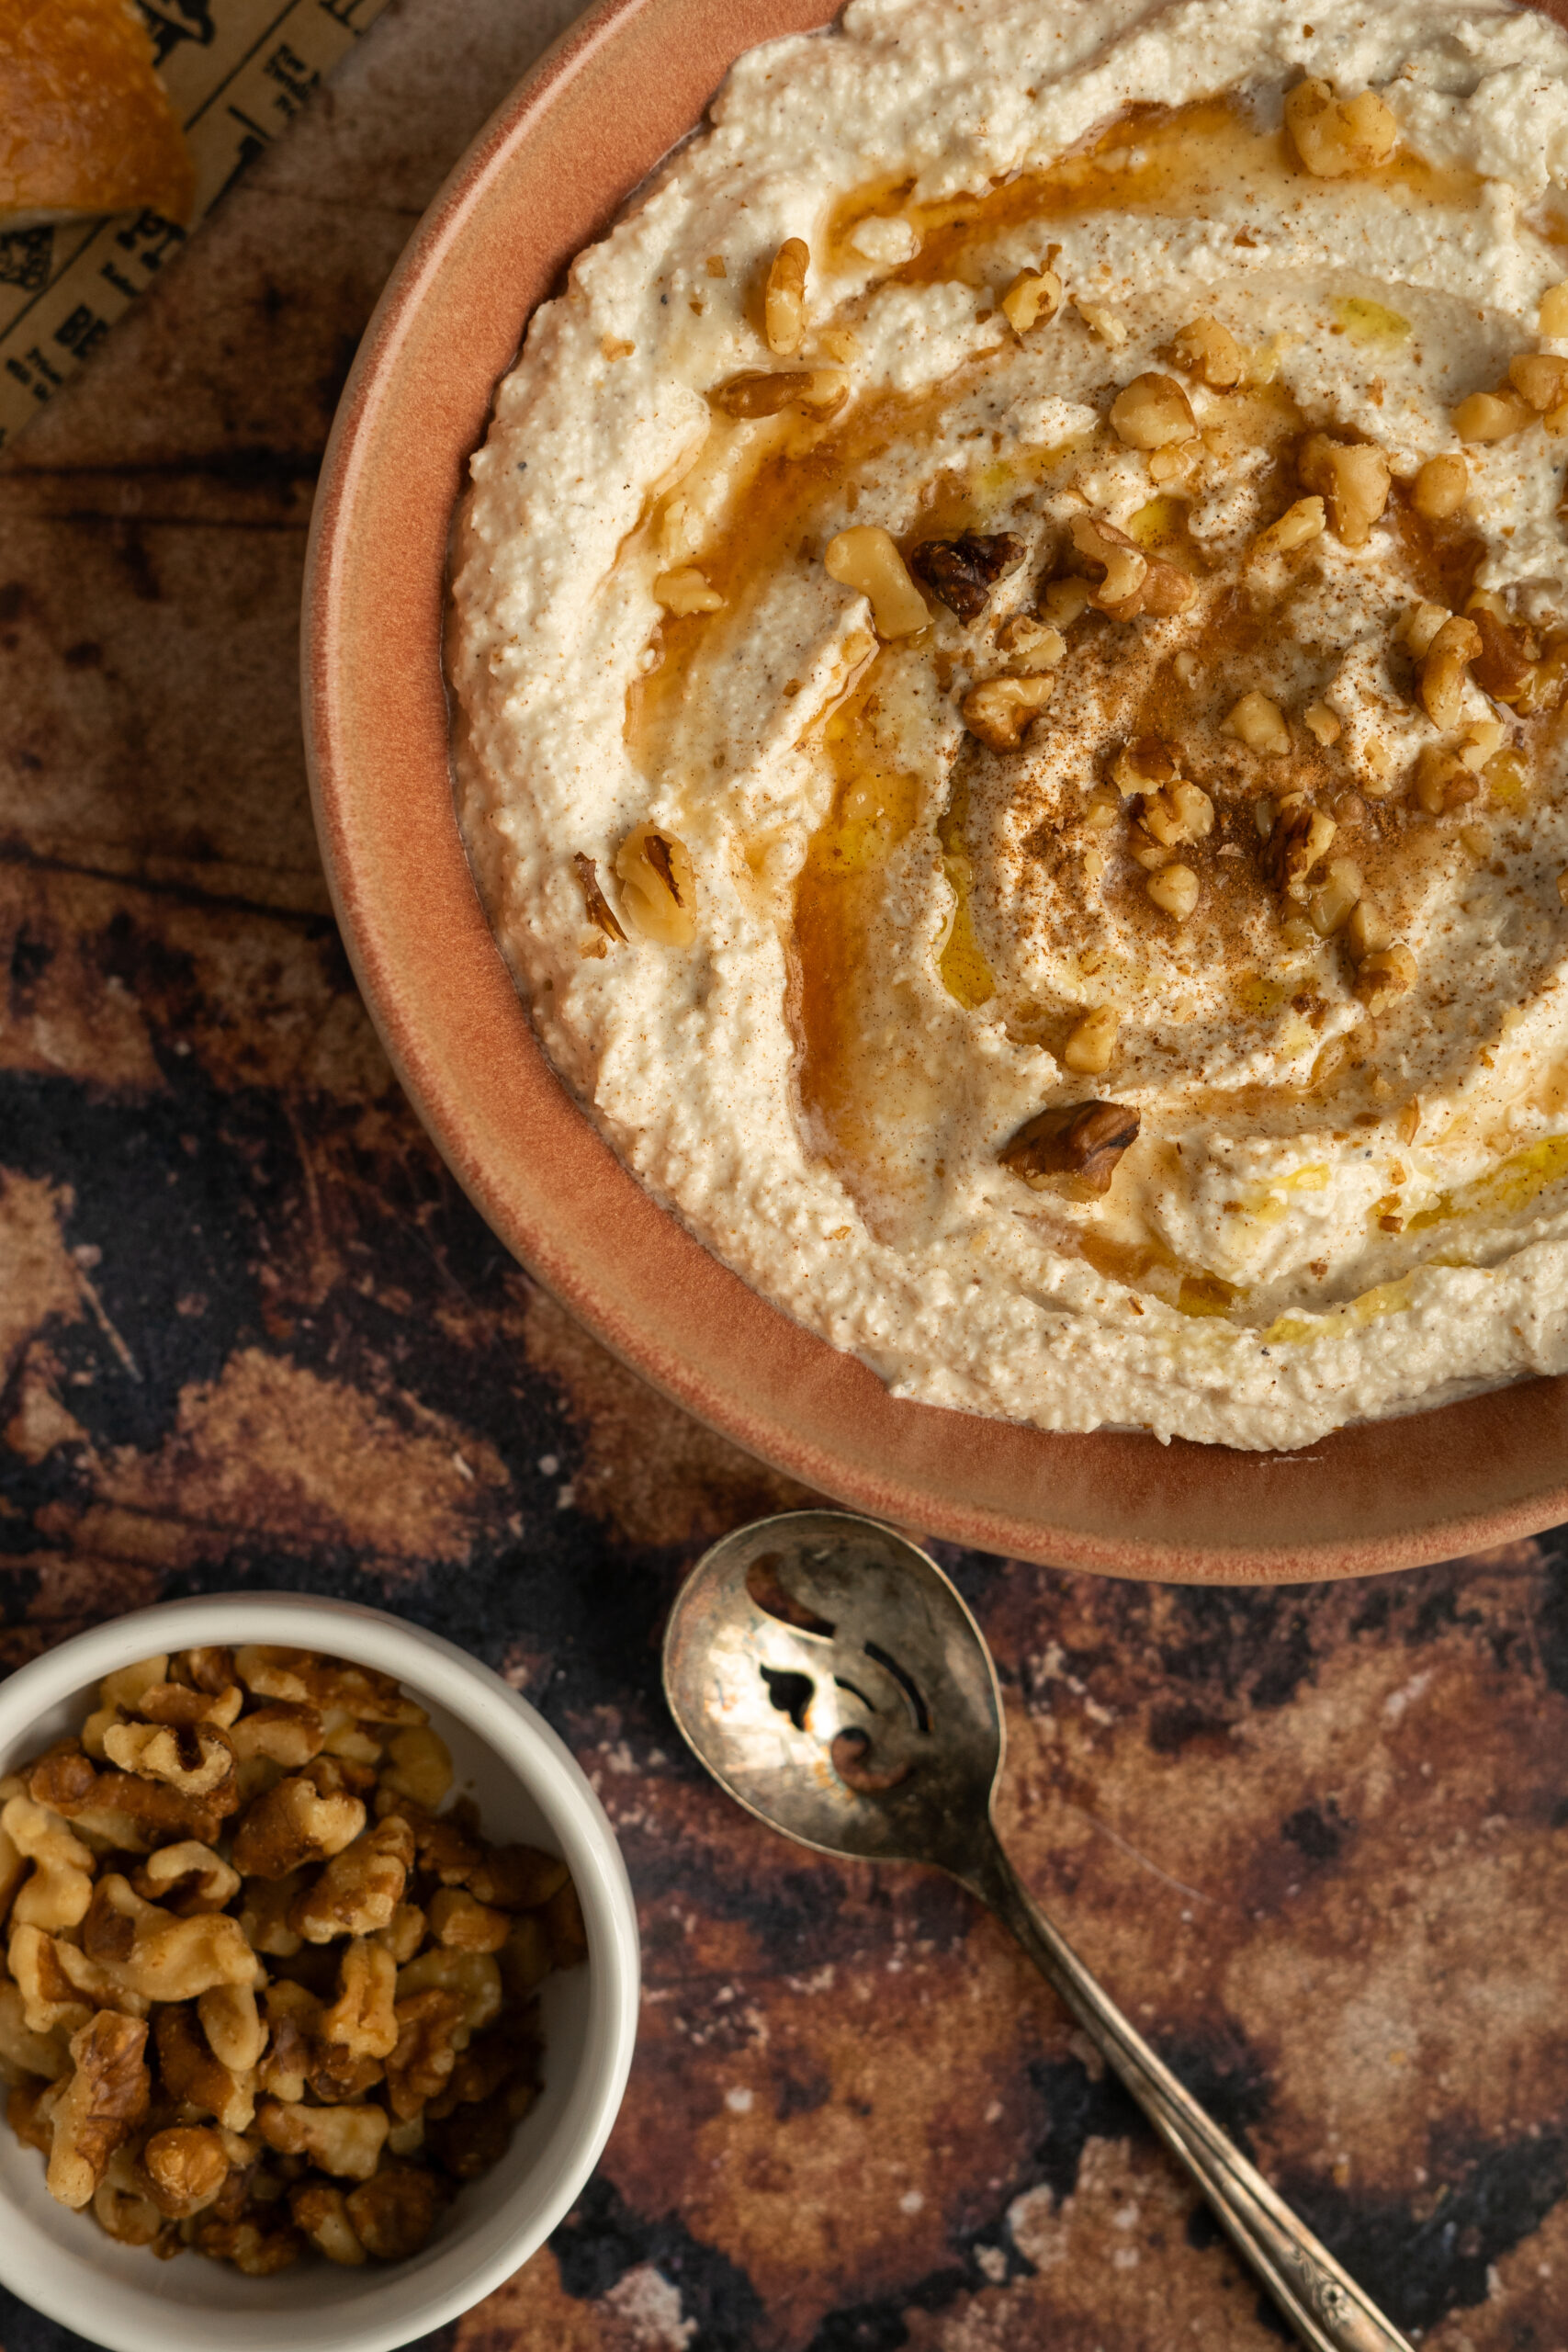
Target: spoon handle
(1322, 2302)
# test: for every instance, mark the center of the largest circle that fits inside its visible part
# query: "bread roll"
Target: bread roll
(85, 124)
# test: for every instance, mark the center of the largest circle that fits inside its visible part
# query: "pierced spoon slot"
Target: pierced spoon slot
(856, 1693)
(851, 1752)
(906, 1681)
(791, 1693)
(766, 1586)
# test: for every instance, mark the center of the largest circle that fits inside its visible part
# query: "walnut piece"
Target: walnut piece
(59, 1887)
(1441, 487)
(1081, 1141)
(1151, 413)
(293, 1824)
(360, 1888)
(1492, 416)
(1258, 721)
(393, 2215)
(97, 2105)
(1034, 294)
(459, 1923)
(1206, 349)
(818, 392)
(784, 300)
(320, 2211)
(1354, 478)
(187, 2165)
(1001, 711)
(1174, 890)
(344, 2141)
(961, 572)
(1299, 840)
(1334, 137)
(866, 558)
(1385, 974)
(657, 886)
(1444, 669)
(195, 1757)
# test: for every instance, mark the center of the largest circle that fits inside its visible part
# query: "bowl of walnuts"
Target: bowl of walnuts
(318, 1979)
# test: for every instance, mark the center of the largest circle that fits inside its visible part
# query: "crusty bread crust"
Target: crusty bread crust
(85, 124)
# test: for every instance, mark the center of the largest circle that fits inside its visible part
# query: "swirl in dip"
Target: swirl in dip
(1010, 634)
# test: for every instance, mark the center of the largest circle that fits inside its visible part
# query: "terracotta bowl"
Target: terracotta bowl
(543, 179)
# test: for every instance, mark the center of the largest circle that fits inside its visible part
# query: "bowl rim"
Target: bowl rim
(544, 177)
(398, 2304)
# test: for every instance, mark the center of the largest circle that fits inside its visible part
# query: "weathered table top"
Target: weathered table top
(250, 1335)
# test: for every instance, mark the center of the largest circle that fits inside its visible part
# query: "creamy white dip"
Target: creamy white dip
(1347, 1196)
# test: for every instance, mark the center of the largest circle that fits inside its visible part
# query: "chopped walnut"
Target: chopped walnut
(866, 558)
(1383, 974)
(961, 572)
(1102, 321)
(1501, 667)
(818, 392)
(657, 886)
(1444, 668)
(784, 300)
(1032, 644)
(255, 2247)
(292, 1824)
(195, 1758)
(421, 2061)
(1209, 351)
(1258, 722)
(1539, 379)
(1365, 932)
(1299, 840)
(1091, 1043)
(1441, 487)
(1331, 904)
(1133, 582)
(685, 591)
(344, 2141)
(1034, 294)
(360, 1888)
(1151, 413)
(23, 2052)
(1492, 416)
(97, 2105)
(59, 1888)
(1334, 137)
(1354, 478)
(1323, 724)
(393, 2215)
(1174, 890)
(320, 2211)
(361, 2020)
(419, 1762)
(186, 1878)
(459, 1923)
(1296, 527)
(1082, 1142)
(1177, 814)
(188, 2071)
(1001, 711)
(187, 2165)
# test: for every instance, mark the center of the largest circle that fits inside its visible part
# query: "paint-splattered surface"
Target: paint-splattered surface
(1317, 1841)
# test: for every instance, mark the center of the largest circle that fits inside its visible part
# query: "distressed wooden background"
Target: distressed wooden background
(250, 1335)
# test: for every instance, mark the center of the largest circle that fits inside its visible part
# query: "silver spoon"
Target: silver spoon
(829, 1676)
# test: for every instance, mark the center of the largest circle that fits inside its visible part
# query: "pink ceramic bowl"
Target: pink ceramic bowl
(544, 179)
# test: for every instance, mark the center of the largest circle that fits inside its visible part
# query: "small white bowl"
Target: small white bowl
(527, 1787)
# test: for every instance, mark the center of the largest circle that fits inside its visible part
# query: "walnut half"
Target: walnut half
(1081, 1141)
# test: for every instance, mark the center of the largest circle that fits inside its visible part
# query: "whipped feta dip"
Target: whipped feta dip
(1009, 639)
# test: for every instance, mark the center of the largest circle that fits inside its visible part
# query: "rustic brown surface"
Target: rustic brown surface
(249, 1334)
